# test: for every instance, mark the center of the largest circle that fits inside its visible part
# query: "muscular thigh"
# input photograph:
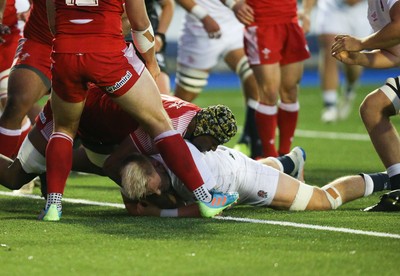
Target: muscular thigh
(34, 56)
(259, 184)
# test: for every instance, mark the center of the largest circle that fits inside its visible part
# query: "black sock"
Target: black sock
(255, 142)
(287, 164)
(43, 185)
(380, 180)
(395, 182)
(245, 137)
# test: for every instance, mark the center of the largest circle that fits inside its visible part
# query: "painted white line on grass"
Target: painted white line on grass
(326, 135)
(312, 226)
(331, 135)
(272, 222)
(69, 200)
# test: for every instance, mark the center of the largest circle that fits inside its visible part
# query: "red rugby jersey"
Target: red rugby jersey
(84, 28)
(37, 26)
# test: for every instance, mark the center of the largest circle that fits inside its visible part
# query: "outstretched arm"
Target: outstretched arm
(374, 59)
(142, 34)
(384, 39)
(243, 12)
(141, 208)
(165, 18)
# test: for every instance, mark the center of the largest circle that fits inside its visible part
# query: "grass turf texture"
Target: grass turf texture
(92, 240)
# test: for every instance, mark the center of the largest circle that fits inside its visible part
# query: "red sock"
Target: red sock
(266, 126)
(9, 141)
(178, 158)
(287, 122)
(58, 162)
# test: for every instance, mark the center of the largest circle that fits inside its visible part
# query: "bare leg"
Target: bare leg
(376, 111)
(12, 176)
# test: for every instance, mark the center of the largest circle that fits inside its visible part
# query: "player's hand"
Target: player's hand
(243, 12)
(145, 209)
(23, 16)
(346, 43)
(158, 43)
(211, 27)
(305, 21)
(352, 2)
(153, 68)
(351, 58)
(342, 56)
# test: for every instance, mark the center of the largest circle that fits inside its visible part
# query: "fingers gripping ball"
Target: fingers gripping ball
(217, 121)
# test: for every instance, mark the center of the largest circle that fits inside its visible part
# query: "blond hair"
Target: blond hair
(135, 175)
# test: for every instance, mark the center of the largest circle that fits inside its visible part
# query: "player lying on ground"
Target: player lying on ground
(259, 183)
(205, 127)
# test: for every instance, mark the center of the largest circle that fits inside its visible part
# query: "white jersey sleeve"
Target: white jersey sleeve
(379, 13)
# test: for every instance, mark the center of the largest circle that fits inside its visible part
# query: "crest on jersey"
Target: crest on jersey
(262, 194)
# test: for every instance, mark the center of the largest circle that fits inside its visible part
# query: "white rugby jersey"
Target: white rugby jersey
(331, 4)
(378, 13)
(232, 171)
(218, 11)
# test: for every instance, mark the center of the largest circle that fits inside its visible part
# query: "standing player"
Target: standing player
(9, 36)
(29, 79)
(104, 59)
(338, 17)
(276, 48)
(211, 31)
(384, 102)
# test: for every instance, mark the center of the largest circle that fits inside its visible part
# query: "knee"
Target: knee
(369, 109)
(319, 201)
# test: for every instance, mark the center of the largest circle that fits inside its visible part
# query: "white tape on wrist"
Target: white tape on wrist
(230, 3)
(143, 40)
(169, 213)
(199, 12)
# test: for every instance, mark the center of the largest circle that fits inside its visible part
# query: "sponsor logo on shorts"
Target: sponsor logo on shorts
(42, 117)
(262, 194)
(120, 83)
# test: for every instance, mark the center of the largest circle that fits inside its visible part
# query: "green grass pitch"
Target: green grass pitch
(104, 240)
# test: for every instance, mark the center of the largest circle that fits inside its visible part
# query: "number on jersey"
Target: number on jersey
(82, 2)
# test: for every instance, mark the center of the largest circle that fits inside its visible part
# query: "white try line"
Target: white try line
(259, 221)
(332, 135)
(312, 226)
(326, 135)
